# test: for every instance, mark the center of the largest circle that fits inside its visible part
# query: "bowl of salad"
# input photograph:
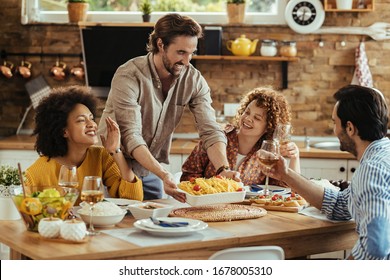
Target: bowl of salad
(36, 203)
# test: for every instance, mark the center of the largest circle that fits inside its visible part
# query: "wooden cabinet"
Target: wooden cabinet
(332, 169)
(369, 6)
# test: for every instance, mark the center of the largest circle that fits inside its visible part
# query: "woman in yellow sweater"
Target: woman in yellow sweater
(66, 135)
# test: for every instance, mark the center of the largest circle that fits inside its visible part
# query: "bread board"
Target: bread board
(279, 208)
(220, 212)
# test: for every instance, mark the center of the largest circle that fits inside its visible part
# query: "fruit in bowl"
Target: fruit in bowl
(43, 202)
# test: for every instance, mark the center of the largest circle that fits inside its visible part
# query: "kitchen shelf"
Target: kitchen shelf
(330, 6)
(283, 59)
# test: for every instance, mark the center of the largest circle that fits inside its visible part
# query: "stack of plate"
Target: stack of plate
(151, 228)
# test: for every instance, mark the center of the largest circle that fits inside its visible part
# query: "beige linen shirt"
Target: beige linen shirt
(145, 117)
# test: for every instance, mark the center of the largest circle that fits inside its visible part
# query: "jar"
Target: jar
(288, 48)
(268, 48)
(74, 230)
(50, 227)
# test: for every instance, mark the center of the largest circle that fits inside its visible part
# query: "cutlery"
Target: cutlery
(168, 224)
(377, 31)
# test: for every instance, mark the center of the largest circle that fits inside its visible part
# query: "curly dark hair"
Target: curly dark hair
(169, 27)
(366, 108)
(275, 104)
(51, 118)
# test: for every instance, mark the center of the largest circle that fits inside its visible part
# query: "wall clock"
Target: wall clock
(304, 16)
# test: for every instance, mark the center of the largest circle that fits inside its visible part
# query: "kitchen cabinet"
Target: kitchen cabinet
(369, 6)
(283, 59)
(175, 162)
(334, 169)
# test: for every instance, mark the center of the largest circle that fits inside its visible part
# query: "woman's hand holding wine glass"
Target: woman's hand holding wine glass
(268, 156)
(92, 192)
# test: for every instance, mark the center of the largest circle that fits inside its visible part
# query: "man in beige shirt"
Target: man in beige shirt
(147, 99)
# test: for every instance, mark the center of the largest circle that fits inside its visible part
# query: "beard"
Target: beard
(346, 143)
(172, 67)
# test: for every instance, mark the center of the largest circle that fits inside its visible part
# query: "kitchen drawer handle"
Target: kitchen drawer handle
(353, 169)
(342, 169)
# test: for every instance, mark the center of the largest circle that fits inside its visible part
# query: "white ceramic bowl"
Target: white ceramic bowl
(103, 221)
(149, 209)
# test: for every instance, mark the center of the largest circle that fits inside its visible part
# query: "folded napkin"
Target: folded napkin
(362, 75)
(315, 213)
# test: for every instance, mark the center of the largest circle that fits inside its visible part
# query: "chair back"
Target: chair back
(250, 253)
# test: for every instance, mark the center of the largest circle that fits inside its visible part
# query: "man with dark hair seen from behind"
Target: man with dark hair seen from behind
(360, 118)
(147, 98)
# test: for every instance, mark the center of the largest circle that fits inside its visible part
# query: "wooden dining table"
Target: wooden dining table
(297, 234)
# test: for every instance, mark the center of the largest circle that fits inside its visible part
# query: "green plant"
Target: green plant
(145, 7)
(235, 1)
(9, 175)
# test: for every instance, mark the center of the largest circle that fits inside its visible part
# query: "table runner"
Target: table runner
(144, 239)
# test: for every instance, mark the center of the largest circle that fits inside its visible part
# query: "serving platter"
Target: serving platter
(256, 190)
(217, 198)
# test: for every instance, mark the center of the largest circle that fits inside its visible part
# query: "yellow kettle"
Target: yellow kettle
(242, 46)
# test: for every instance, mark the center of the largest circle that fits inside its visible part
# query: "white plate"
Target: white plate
(121, 201)
(181, 231)
(191, 224)
(274, 189)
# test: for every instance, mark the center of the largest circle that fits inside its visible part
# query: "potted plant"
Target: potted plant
(77, 10)
(146, 9)
(9, 177)
(235, 10)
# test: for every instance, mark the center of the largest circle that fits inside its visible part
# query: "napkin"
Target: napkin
(315, 213)
(362, 75)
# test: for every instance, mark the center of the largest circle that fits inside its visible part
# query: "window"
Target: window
(204, 11)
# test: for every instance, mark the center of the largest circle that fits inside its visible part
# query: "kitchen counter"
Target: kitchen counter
(185, 146)
(179, 146)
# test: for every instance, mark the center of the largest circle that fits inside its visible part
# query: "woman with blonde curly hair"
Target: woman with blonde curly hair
(261, 109)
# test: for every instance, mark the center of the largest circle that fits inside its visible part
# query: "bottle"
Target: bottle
(268, 48)
(288, 48)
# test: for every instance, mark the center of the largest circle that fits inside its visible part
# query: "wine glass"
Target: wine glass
(282, 133)
(68, 177)
(268, 156)
(92, 192)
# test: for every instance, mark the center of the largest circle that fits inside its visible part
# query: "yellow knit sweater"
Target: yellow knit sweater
(44, 172)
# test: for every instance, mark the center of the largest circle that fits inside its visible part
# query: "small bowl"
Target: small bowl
(103, 221)
(105, 214)
(149, 209)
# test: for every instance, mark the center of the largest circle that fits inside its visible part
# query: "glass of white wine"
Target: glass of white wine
(68, 177)
(268, 156)
(282, 133)
(92, 192)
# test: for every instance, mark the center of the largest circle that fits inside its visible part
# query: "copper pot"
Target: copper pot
(59, 71)
(24, 69)
(6, 69)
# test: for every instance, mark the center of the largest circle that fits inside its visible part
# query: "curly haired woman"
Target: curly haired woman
(260, 111)
(66, 135)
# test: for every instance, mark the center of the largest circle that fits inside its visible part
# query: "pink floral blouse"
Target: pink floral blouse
(199, 165)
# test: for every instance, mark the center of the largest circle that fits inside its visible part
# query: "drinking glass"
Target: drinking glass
(91, 193)
(268, 156)
(282, 133)
(68, 177)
